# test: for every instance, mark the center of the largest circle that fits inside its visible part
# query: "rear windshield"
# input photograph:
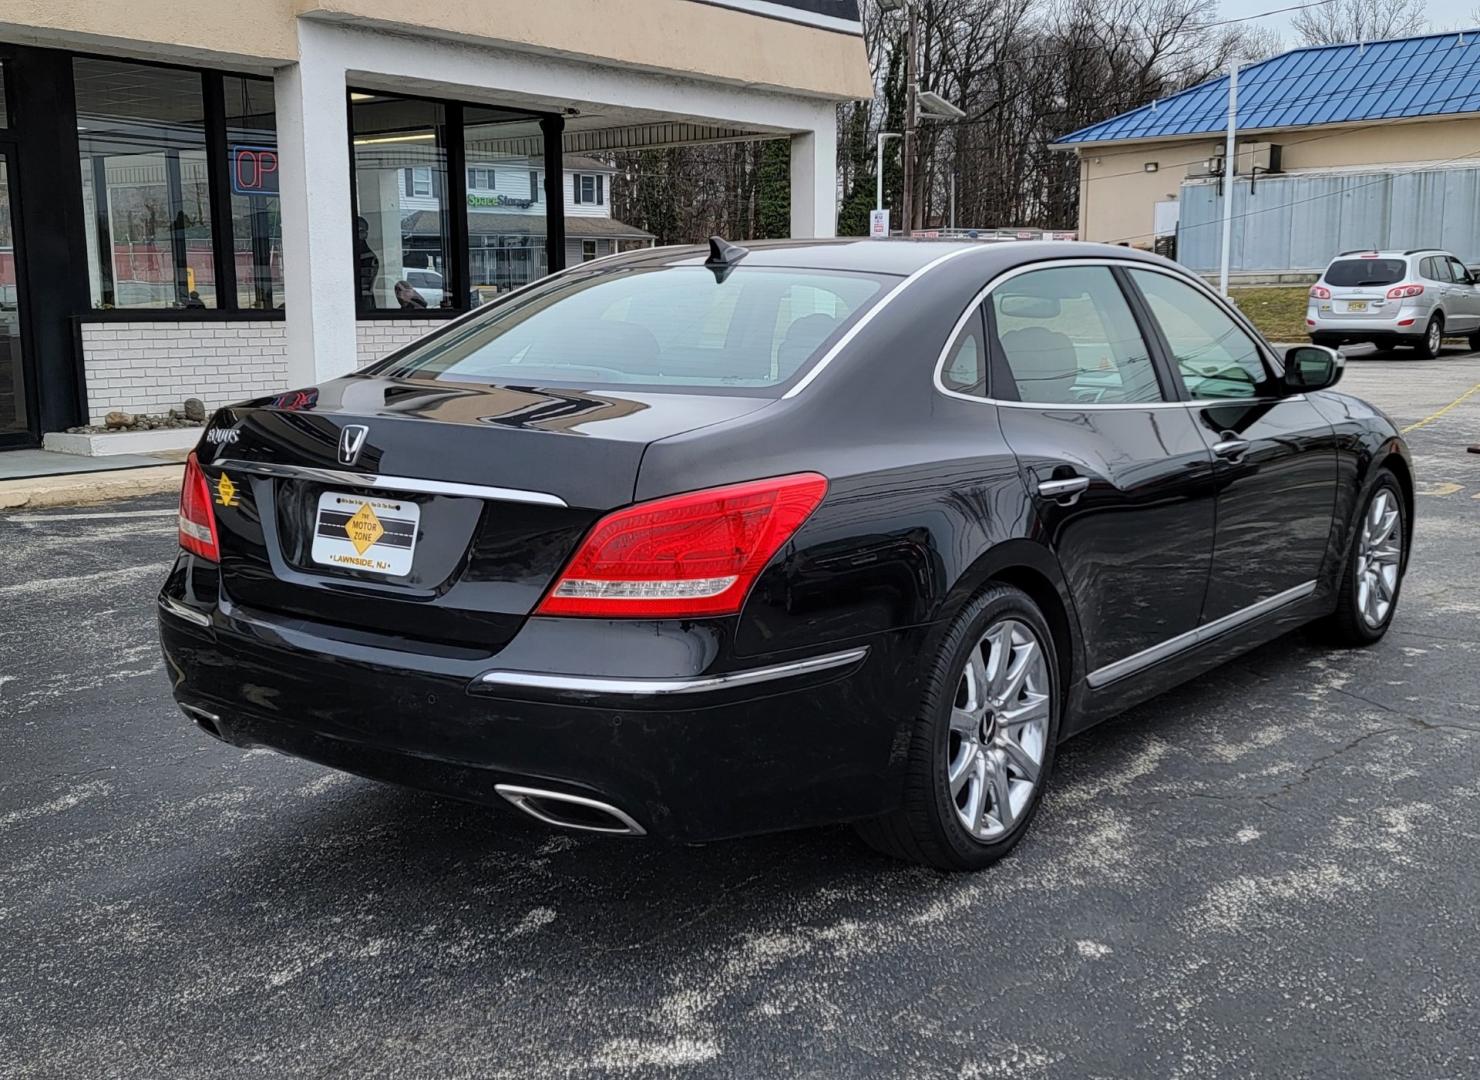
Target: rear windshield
(1356, 272)
(666, 326)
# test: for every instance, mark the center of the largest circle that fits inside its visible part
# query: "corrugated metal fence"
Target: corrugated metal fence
(1299, 222)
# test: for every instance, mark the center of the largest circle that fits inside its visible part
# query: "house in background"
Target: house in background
(1365, 145)
(506, 223)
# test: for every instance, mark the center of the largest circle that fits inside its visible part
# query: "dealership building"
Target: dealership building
(228, 197)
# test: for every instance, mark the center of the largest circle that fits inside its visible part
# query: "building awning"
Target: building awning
(429, 223)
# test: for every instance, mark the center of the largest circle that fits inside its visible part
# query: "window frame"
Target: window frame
(213, 96)
(459, 267)
(1174, 391)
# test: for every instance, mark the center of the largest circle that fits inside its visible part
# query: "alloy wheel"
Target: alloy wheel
(1435, 336)
(999, 729)
(1379, 554)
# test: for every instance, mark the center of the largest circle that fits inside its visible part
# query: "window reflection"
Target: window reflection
(402, 217)
(253, 173)
(146, 197)
(506, 200)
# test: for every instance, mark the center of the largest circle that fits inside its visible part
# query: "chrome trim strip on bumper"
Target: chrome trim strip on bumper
(189, 614)
(522, 796)
(412, 484)
(1157, 653)
(602, 684)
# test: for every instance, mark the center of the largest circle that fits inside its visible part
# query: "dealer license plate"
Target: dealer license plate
(374, 535)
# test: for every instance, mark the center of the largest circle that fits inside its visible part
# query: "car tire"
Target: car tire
(1432, 343)
(1375, 562)
(1475, 341)
(996, 661)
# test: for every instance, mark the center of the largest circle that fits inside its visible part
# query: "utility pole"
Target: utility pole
(907, 201)
(1229, 157)
(884, 136)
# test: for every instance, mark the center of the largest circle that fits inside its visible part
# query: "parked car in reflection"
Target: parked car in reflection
(693, 543)
(427, 283)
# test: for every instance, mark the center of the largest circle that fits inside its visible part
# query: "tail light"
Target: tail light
(1320, 292)
(686, 555)
(197, 519)
(1399, 292)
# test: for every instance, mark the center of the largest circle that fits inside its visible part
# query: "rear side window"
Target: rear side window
(965, 369)
(666, 326)
(1068, 337)
(1215, 358)
(1353, 273)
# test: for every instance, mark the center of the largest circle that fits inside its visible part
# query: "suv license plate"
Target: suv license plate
(1356, 305)
(377, 536)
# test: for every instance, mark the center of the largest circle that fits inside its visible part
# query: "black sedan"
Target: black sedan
(695, 542)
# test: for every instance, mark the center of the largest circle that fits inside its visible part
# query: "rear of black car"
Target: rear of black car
(434, 573)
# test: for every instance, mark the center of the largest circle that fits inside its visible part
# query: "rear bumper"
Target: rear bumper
(1381, 329)
(775, 744)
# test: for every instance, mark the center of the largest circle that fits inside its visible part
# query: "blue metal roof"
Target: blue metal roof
(1435, 75)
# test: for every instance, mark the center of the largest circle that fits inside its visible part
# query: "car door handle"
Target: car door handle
(1066, 490)
(1230, 448)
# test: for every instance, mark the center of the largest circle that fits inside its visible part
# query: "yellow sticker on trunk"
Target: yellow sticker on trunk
(225, 491)
(364, 528)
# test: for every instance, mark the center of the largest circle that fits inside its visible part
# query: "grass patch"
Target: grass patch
(1277, 310)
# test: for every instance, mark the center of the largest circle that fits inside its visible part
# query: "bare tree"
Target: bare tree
(1359, 20)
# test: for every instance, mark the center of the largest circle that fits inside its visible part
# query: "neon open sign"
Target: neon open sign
(254, 170)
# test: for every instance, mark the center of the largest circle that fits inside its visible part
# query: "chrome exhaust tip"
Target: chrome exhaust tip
(208, 722)
(571, 811)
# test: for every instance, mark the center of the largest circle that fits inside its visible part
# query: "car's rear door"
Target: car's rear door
(1121, 479)
(1276, 463)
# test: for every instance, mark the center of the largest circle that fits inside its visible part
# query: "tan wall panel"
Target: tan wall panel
(667, 35)
(1118, 198)
(261, 29)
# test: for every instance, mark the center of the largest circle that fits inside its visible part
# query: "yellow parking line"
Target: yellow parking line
(1434, 416)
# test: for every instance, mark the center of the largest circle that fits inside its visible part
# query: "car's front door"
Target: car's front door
(1466, 294)
(1121, 479)
(1276, 463)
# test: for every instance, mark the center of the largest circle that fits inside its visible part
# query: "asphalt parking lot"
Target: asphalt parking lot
(1271, 871)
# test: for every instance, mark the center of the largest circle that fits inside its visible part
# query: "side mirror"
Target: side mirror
(1312, 367)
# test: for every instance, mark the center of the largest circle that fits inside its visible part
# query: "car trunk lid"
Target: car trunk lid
(461, 504)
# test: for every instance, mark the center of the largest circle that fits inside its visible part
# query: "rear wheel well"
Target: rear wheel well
(1042, 592)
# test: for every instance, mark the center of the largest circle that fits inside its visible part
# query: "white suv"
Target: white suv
(1415, 298)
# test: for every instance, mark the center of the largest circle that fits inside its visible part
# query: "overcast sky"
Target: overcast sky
(1443, 14)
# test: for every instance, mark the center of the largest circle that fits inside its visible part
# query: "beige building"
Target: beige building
(1346, 145)
(225, 198)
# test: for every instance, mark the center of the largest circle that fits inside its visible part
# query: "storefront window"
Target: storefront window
(252, 171)
(402, 216)
(146, 196)
(506, 206)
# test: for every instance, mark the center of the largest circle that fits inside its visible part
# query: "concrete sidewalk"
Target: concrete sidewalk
(83, 488)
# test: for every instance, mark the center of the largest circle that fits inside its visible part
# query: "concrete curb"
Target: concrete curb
(81, 489)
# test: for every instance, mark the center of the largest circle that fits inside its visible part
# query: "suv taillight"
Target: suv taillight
(684, 556)
(197, 519)
(1398, 292)
(1320, 292)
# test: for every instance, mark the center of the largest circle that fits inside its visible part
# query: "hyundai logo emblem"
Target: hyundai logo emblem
(351, 442)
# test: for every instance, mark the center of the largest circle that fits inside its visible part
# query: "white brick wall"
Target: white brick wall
(152, 367)
(376, 337)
